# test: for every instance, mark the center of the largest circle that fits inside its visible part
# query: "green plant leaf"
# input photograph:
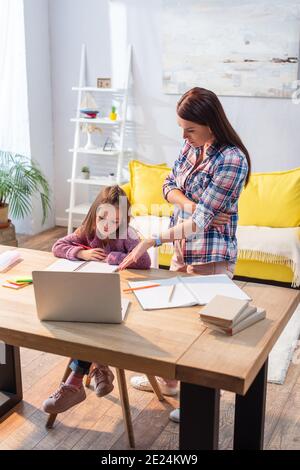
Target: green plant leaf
(20, 181)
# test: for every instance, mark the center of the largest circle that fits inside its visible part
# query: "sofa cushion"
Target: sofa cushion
(127, 189)
(271, 200)
(146, 189)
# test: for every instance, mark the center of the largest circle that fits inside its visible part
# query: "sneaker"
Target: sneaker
(64, 398)
(141, 382)
(103, 379)
(175, 415)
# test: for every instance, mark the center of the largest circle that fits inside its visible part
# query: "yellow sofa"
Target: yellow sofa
(270, 199)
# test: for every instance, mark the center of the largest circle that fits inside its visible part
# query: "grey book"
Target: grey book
(224, 311)
(255, 317)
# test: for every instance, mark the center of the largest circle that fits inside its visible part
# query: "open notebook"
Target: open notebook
(188, 291)
(66, 265)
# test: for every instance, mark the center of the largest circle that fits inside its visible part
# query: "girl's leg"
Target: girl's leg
(103, 376)
(70, 393)
(103, 379)
(79, 370)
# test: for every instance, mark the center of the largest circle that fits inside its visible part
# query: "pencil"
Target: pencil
(82, 246)
(171, 293)
(139, 288)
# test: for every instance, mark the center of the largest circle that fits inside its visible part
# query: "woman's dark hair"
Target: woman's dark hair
(203, 107)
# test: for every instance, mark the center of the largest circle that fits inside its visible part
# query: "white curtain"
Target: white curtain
(14, 118)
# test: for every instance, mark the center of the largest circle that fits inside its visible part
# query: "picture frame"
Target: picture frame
(103, 82)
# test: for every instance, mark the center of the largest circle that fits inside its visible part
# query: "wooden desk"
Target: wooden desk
(171, 343)
(235, 363)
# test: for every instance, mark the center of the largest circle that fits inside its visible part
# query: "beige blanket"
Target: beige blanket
(271, 245)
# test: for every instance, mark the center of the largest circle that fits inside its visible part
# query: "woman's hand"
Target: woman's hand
(221, 219)
(95, 254)
(177, 197)
(136, 253)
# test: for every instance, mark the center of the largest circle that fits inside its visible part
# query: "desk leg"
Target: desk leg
(249, 422)
(199, 417)
(10, 380)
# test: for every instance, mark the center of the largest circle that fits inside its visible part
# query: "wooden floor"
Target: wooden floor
(97, 423)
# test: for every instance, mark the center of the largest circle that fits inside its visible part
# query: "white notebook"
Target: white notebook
(189, 290)
(65, 265)
(97, 267)
(8, 259)
(82, 266)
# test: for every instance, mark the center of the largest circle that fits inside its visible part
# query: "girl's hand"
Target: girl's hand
(136, 253)
(95, 254)
(220, 219)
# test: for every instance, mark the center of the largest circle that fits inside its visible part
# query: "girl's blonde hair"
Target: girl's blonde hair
(109, 195)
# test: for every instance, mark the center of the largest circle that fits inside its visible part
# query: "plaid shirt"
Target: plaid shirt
(215, 185)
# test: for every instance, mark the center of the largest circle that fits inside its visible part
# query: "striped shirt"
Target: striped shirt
(215, 185)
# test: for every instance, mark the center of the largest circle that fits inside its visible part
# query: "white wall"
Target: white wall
(73, 22)
(268, 127)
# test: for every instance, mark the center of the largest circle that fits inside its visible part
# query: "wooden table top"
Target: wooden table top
(170, 342)
(148, 341)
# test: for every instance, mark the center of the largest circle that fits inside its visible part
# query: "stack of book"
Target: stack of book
(229, 315)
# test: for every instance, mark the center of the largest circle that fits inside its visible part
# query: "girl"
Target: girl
(106, 232)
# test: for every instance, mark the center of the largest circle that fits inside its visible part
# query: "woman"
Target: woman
(205, 184)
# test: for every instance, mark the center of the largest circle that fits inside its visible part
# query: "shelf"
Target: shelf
(110, 153)
(104, 121)
(94, 181)
(81, 209)
(95, 89)
(116, 130)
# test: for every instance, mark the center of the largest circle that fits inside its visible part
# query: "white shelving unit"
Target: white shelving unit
(121, 94)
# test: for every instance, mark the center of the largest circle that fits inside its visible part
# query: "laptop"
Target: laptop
(79, 297)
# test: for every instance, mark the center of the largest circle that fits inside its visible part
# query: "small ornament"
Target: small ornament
(113, 114)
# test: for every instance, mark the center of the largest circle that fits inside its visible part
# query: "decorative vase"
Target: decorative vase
(90, 144)
(85, 175)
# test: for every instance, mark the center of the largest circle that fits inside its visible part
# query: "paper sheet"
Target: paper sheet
(189, 290)
(158, 297)
(81, 266)
(97, 267)
(206, 288)
(65, 265)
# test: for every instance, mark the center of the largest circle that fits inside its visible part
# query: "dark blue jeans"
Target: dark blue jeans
(80, 367)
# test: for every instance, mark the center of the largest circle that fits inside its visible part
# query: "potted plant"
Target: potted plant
(85, 172)
(20, 180)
